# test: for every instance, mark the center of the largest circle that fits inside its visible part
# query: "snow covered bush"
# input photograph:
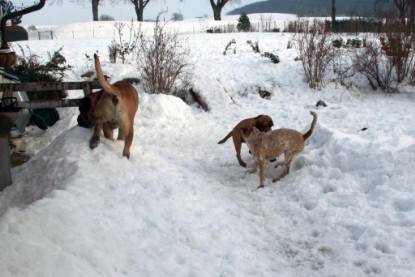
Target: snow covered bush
(315, 48)
(123, 47)
(228, 47)
(274, 58)
(162, 59)
(398, 49)
(386, 60)
(113, 51)
(373, 66)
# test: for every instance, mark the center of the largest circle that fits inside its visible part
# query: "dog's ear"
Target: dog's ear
(264, 123)
(258, 124)
(258, 117)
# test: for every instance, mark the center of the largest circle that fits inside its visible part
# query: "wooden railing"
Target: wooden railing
(87, 87)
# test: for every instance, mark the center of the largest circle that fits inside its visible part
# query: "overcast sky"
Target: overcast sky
(70, 12)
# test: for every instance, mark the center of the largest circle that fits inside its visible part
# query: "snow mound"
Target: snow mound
(161, 107)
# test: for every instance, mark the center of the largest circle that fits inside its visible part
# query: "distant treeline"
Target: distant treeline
(317, 8)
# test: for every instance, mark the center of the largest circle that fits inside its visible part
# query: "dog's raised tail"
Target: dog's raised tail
(101, 78)
(313, 124)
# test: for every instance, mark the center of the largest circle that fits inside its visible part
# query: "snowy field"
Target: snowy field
(182, 206)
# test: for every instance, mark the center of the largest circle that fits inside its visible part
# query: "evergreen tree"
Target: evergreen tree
(244, 24)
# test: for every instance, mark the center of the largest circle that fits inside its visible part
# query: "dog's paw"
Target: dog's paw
(93, 143)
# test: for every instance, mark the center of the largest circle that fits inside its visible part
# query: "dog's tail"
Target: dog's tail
(225, 138)
(313, 124)
(101, 78)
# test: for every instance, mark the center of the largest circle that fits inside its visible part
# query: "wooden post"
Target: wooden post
(5, 173)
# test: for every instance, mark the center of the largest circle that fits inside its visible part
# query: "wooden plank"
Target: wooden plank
(87, 88)
(49, 104)
(54, 86)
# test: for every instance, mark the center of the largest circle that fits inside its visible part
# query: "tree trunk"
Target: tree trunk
(140, 11)
(139, 6)
(333, 13)
(95, 4)
(217, 13)
(402, 6)
(217, 8)
(412, 15)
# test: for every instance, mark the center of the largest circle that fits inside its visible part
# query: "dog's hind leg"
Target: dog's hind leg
(128, 142)
(238, 145)
(288, 158)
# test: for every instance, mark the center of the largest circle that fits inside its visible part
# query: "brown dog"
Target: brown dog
(112, 107)
(262, 122)
(268, 146)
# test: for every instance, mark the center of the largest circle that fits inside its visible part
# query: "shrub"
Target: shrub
(106, 17)
(315, 49)
(398, 49)
(177, 17)
(32, 28)
(354, 43)
(162, 59)
(113, 51)
(233, 41)
(386, 60)
(371, 64)
(274, 58)
(124, 47)
(244, 24)
(254, 46)
(29, 68)
(338, 42)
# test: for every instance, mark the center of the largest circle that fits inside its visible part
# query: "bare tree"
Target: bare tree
(402, 6)
(139, 6)
(95, 5)
(217, 6)
(406, 8)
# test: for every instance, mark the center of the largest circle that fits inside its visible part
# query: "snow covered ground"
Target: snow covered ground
(182, 206)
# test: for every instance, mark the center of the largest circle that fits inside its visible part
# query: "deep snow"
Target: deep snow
(182, 206)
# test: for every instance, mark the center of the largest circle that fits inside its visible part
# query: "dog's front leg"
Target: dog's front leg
(94, 141)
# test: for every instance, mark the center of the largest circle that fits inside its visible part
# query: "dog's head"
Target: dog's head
(264, 123)
(86, 108)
